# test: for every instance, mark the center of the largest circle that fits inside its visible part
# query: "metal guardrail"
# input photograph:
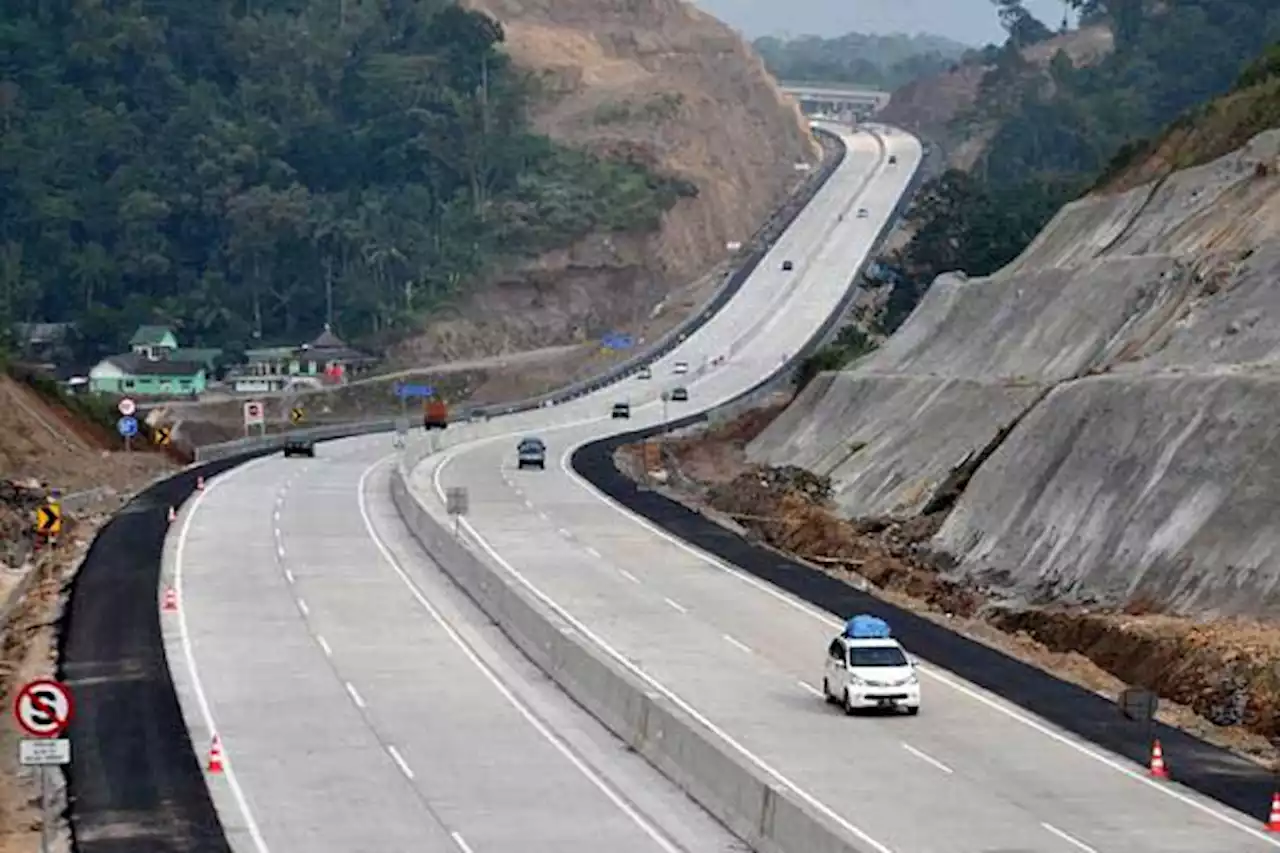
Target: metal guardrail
(761, 242)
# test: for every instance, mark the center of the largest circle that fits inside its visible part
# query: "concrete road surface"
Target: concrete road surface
(969, 775)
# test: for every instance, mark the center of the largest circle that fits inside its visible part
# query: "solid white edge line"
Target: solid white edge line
(925, 757)
(1075, 842)
(560, 746)
(399, 760)
(188, 652)
(355, 695)
(461, 842)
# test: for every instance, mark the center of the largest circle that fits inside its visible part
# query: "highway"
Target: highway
(363, 703)
(971, 773)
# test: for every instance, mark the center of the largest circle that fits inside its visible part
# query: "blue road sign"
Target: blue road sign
(616, 340)
(404, 391)
(128, 427)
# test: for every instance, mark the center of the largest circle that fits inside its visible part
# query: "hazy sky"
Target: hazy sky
(971, 21)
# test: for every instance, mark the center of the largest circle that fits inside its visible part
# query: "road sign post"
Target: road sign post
(126, 407)
(255, 414)
(162, 435)
(43, 709)
(297, 415)
(49, 520)
(456, 503)
(127, 426)
(402, 430)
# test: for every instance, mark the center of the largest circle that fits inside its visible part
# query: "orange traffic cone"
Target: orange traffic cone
(170, 598)
(1158, 769)
(1273, 822)
(215, 755)
(199, 482)
(173, 515)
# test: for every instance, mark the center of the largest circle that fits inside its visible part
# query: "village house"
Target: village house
(327, 360)
(155, 366)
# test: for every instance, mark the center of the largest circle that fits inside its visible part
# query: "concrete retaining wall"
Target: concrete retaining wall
(756, 808)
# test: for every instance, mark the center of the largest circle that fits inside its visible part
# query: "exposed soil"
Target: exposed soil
(1217, 679)
(44, 446)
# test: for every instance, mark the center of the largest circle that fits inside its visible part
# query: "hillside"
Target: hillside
(243, 172)
(659, 82)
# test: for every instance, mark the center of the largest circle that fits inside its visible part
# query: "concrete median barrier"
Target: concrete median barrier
(756, 807)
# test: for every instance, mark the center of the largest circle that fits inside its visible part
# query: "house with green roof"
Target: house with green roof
(155, 366)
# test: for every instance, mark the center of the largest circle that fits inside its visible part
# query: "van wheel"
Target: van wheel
(849, 710)
(913, 710)
(826, 693)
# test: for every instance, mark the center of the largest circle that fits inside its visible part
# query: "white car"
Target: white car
(866, 668)
(645, 373)
(682, 367)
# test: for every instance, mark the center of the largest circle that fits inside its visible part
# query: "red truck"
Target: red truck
(435, 414)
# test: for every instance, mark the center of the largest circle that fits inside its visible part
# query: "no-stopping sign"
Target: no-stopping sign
(43, 708)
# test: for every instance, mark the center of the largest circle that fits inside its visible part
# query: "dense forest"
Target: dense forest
(875, 61)
(1057, 130)
(243, 169)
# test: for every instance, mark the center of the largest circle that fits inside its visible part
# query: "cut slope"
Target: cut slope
(654, 80)
(1110, 394)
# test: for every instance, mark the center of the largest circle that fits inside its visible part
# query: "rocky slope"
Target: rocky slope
(661, 81)
(1103, 407)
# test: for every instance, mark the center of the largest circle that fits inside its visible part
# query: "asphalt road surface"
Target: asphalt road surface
(971, 774)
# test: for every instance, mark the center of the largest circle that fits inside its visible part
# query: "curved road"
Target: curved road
(971, 773)
(363, 703)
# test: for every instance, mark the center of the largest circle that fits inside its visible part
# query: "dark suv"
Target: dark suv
(621, 410)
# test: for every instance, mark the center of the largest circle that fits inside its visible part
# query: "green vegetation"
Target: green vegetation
(878, 62)
(850, 343)
(1057, 129)
(230, 167)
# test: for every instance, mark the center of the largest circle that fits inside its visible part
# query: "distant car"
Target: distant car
(893, 159)
(681, 367)
(645, 373)
(862, 213)
(680, 395)
(621, 410)
(786, 266)
(300, 447)
(531, 453)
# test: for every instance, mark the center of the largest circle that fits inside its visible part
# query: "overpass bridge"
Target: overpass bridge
(836, 99)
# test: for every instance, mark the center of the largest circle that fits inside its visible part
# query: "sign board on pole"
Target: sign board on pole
(405, 392)
(254, 413)
(44, 752)
(127, 407)
(43, 708)
(127, 426)
(162, 435)
(297, 415)
(456, 500)
(49, 519)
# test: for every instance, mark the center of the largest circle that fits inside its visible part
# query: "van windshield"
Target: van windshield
(876, 656)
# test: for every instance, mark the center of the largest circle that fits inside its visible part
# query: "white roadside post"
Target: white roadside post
(456, 503)
(43, 709)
